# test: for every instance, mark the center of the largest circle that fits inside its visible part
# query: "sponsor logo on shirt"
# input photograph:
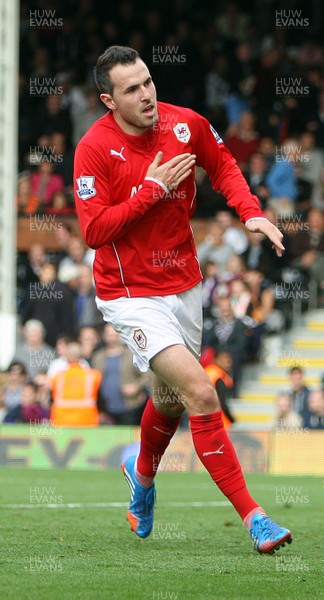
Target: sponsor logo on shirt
(120, 154)
(86, 187)
(140, 339)
(216, 135)
(182, 132)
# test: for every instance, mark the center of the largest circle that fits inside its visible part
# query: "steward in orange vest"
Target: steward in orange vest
(75, 393)
(222, 383)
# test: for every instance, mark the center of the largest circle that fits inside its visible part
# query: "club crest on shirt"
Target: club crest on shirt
(140, 338)
(182, 132)
(216, 135)
(86, 187)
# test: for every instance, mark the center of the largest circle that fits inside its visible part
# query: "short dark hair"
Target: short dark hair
(114, 55)
(295, 369)
(20, 365)
(65, 337)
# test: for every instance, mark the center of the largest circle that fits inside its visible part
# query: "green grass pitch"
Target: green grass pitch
(87, 551)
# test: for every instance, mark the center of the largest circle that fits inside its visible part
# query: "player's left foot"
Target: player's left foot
(140, 514)
(267, 535)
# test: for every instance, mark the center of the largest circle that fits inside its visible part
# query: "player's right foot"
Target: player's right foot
(140, 514)
(267, 535)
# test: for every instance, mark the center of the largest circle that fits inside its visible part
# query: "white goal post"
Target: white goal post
(9, 41)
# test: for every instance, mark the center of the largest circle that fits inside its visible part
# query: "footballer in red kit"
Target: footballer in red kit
(135, 194)
(123, 264)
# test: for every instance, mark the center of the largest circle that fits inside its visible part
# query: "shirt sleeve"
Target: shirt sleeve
(102, 221)
(224, 174)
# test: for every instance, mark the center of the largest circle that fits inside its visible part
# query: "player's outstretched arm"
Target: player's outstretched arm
(225, 176)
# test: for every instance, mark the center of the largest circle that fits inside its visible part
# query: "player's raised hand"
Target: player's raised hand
(172, 172)
(271, 231)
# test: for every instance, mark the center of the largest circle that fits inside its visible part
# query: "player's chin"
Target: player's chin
(149, 120)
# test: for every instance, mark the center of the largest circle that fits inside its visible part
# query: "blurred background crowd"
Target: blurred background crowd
(261, 85)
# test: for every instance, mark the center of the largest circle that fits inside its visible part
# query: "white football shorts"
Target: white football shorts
(151, 324)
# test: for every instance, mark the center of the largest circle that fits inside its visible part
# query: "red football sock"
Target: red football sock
(156, 433)
(217, 454)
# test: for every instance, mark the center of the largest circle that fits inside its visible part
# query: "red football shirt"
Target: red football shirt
(142, 235)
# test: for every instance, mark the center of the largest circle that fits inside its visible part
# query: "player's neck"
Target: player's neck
(128, 128)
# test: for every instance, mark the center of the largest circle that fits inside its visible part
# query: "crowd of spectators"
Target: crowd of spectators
(261, 85)
(83, 380)
(91, 380)
(299, 407)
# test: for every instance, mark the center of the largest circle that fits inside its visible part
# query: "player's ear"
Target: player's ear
(108, 101)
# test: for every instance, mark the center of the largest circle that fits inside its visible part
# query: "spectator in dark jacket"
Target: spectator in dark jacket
(52, 118)
(229, 334)
(307, 248)
(86, 312)
(50, 302)
(255, 175)
(299, 393)
(315, 418)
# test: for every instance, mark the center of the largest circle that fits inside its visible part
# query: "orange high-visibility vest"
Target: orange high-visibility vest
(74, 393)
(214, 373)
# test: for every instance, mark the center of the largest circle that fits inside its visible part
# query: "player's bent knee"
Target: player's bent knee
(204, 401)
